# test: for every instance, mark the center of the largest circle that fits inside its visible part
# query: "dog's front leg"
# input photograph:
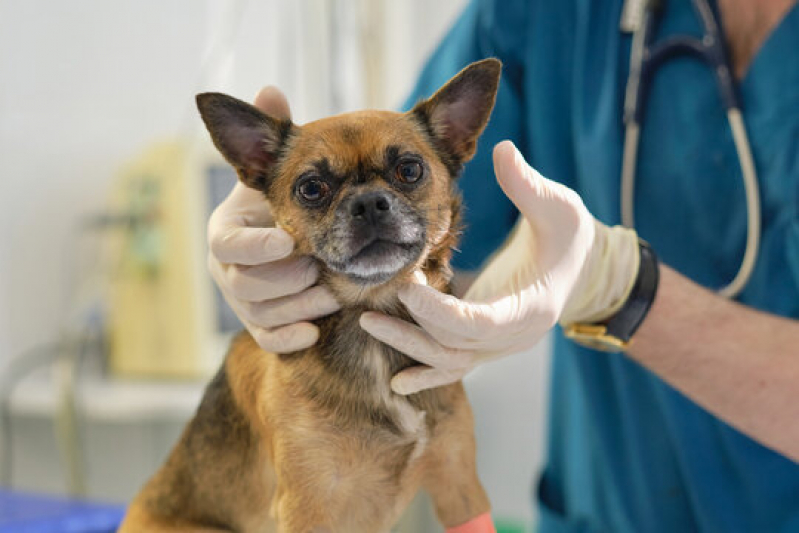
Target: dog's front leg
(460, 501)
(451, 472)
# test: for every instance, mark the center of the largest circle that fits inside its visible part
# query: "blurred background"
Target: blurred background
(107, 179)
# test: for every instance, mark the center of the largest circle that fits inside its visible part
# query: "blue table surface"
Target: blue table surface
(33, 513)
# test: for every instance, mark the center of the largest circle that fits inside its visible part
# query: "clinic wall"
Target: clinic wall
(83, 86)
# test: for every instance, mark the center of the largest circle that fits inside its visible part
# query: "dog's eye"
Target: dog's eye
(313, 190)
(409, 171)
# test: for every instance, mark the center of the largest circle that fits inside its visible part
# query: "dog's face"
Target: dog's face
(368, 194)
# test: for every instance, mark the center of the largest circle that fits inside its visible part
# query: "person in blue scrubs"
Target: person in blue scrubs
(696, 426)
(627, 450)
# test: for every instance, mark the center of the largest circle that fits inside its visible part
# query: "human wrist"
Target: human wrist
(607, 277)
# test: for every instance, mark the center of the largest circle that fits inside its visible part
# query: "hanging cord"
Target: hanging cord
(86, 269)
(14, 372)
(372, 37)
(88, 264)
(68, 422)
(221, 51)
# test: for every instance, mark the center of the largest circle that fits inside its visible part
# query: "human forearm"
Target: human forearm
(738, 363)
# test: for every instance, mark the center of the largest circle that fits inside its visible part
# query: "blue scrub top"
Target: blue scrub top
(626, 452)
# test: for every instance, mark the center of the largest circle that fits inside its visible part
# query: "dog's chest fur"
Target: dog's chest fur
(355, 376)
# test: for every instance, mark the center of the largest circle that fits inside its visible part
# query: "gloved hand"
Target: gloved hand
(250, 259)
(559, 264)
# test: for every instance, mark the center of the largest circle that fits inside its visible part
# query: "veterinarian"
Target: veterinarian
(694, 423)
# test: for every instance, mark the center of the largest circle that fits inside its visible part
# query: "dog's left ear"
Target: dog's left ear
(250, 140)
(456, 115)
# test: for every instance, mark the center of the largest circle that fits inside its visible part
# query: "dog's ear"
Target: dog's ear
(456, 115)
(250, 140)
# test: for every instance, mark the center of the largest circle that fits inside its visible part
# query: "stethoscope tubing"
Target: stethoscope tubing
(644, 60)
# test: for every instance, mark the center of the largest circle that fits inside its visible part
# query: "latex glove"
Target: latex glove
(271, 291)
(558, 264)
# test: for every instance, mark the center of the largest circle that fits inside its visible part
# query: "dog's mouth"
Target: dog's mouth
(378, 260)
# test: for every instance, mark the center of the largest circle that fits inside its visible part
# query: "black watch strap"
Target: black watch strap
(626, 321)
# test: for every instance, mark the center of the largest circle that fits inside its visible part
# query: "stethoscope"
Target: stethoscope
(641, 17)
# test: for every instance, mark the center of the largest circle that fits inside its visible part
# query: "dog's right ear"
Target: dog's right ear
(456, 115)
(250, 140)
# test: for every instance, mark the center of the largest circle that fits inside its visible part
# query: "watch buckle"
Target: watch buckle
(595, 336)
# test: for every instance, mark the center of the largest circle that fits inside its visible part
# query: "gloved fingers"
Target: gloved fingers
(501, 342)
(286, 339)
(454, 321)
(269, 280)
(554, 209)
(445, 337)
(419, 378)
(413, 341)
(251, 246)
(242, 207)
(461, 341)
(234, 240)
(304, 306)
(522, 318)
(272, 101)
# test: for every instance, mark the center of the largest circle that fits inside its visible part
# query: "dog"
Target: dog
(316, 440)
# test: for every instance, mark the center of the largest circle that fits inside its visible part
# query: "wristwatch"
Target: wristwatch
(614, 333)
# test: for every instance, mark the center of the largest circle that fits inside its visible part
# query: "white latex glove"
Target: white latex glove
(559, 264)
(271, 292)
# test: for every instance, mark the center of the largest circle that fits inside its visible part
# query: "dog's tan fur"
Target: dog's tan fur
(316, 440)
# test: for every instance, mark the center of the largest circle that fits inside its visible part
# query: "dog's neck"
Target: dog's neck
(344, 325)
(356, 369)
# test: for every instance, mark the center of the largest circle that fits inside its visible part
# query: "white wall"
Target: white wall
(83, 86)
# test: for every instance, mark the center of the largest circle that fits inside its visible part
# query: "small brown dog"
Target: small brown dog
(316, 440)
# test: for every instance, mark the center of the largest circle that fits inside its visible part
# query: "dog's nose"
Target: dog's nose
(371, 207)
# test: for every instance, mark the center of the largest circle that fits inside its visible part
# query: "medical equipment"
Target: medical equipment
(166, 317)
(640, 17)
